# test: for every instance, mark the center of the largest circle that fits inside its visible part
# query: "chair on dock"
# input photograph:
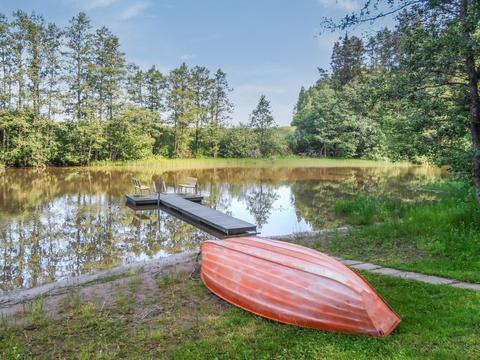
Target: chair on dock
(139, 187)
(190, 183)
(159, 186)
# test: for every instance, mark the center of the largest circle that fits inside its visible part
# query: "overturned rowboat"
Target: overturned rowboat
(295, 285)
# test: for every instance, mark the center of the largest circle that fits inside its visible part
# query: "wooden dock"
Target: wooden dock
(152, 199)
(188, 207)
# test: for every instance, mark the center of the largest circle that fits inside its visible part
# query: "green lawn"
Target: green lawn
(437, 322)
(439, 237)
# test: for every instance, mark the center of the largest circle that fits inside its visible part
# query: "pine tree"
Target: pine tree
(220, 109)
(201, 87)
(135, 85)
(18, 54)
(262, 121)
(31, 30)
(181, 103)
(108, 69)
(155, 86)
(6, 60)
(53, 66)
(302, 98)
(78, 65)
(347, 59)
(382, 49)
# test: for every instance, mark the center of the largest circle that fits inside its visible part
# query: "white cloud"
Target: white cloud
(96, 4)
(186, 57)
(133, 10)
(349, 5)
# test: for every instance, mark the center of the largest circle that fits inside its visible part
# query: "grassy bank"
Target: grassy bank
(291, 161)
(191, 323)
(439, 236)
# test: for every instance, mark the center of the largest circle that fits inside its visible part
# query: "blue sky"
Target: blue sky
(266, 47)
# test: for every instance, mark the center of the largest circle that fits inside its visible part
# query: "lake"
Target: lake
(62, 222)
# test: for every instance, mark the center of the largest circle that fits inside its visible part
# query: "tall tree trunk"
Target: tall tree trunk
(49, 110)
(473, 94)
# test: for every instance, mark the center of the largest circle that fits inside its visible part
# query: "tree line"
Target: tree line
(68, 96)
(405, 93)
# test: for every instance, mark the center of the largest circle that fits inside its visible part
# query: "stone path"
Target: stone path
(430, 279)
(378, 269)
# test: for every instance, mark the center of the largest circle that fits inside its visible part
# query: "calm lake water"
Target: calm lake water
(67, 221)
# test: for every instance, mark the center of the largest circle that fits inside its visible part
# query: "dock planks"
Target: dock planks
(211, 217)
(188, 206)
(152, 199)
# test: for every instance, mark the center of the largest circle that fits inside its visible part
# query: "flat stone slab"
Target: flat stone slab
(436, 280)
(366, 266)
(349, 262)
(468, 286)
(387, 271)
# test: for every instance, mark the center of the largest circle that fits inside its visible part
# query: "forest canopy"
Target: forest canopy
(69, 96)
(400, 94)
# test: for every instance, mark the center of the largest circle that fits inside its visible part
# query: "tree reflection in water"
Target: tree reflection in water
(68, 221)
(260, 201)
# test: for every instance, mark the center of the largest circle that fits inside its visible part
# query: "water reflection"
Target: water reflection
(61, 222)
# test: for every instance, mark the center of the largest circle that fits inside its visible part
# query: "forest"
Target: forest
(69, 97)
(409, 92)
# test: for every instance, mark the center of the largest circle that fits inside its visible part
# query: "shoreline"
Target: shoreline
(156, 266)
(190, 163)
(14, 301)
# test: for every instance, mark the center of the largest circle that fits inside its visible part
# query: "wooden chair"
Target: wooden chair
(159, 186)
(190, 183)
(138, 186)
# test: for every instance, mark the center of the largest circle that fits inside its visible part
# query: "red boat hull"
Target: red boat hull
(295, 285)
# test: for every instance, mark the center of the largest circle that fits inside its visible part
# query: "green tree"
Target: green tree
(155, 87)
(78, 66)
(262, 121)
(382, 49)
(31, 29)
(238, 142)
(6, 59)
(25, 141)
(126, 135)
(18, 54)
(52, 44)
(108, 70)
(201, 87)
(219, 113)
(82, 142)
(135, 85)
(181, 103)
(347, 59)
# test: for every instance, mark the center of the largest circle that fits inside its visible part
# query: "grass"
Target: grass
(438, 237)
(289, 161)
(437, 323)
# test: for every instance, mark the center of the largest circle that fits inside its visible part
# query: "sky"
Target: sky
(269, 47)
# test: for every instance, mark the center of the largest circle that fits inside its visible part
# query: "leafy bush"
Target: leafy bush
(25, 142)
(239, 142)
